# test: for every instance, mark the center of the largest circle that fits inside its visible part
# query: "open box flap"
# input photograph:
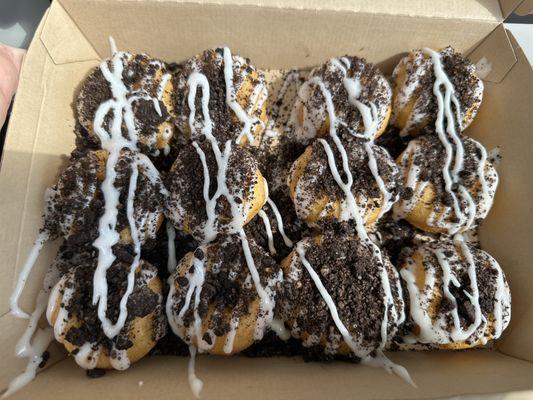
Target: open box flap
(251, 29)
(41, 131)
(485, 10)
(521, 7)
(525, 8)
(505, 120)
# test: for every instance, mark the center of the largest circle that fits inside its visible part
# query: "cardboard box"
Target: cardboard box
(276, 34)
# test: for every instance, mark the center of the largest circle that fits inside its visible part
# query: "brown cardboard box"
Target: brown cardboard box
(275, 34)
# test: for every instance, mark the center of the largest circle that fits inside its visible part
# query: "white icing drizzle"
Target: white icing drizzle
(120, 360)
(445, 114)
(267, 299)
(210, 231)
(268, 230)
(195, 384)
(62, 314)
(161, 88)
(196, 281)
(247, 121)
(354, 345)
(32, 344)
(291, 77)
(24, 273)
(34, 341)
(381, 361)
(279, 219)
(502, 301)
(463, 206)
(230, 336)
(137, 249)
(112, 45)
(114, 142)
(87, 357)
(171, 237)
(370, 119)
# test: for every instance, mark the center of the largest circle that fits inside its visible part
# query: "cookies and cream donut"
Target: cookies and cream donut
(351, 82)
(341, 293)
(414, 105)
(75, 203)
(146, 84)
(74, 318)
(236, 98)
(192, 180)
(457, 294)
(440, 202)
(213, 303)
(313, 185)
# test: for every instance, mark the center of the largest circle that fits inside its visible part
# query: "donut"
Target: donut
(426, 201)
(75, 204)
(414, 105)
(146, 84)
(342, 294)
(75, 319)
(235, 97)
(210, 194)
(315, 190)
(214, 303)
(457, 294)
(354, 88)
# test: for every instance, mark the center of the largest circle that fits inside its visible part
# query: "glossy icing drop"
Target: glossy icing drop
(171, 237)
(231, 101)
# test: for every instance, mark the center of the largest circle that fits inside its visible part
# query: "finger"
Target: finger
(10, 64)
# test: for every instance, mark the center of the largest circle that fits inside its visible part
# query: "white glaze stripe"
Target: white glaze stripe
(171, 237)
(445, 114)
(268, 230)
(232, 102)
(114, 142)
(355, 346)
(24, 273)
(32, 344)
